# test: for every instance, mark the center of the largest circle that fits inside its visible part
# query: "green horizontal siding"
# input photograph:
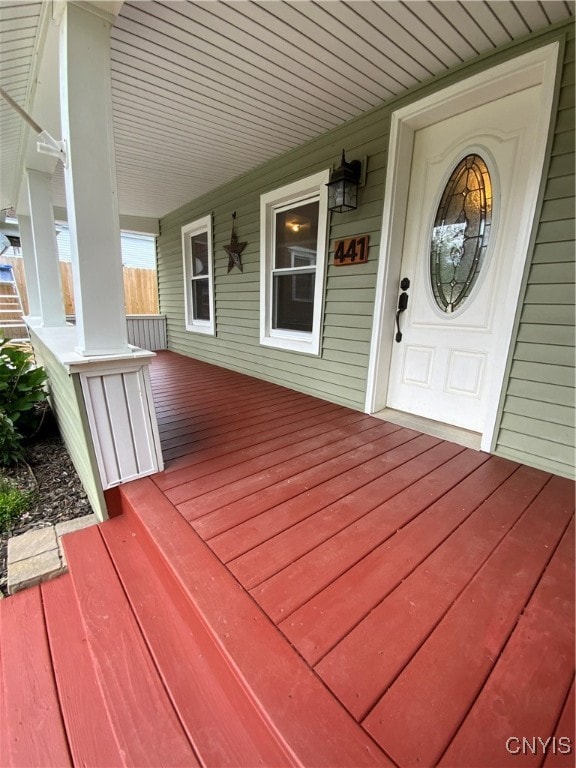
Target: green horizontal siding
(542, 365)
(550, 454)
(538, 415)
(67, 403)
(339, 373)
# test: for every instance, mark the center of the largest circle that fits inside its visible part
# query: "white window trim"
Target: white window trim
(207, 327)
(315, 188)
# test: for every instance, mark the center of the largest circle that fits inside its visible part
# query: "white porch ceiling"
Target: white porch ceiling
(205, 90)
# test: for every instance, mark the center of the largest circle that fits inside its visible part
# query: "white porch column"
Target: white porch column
(90, 175)
(50, 301)
(29, 260)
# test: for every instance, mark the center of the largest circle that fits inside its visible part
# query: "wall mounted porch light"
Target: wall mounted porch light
(343, 186)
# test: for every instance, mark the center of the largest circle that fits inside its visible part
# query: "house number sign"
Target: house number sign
(354, 250)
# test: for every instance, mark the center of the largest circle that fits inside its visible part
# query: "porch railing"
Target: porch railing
(147, 331)
(144, 331)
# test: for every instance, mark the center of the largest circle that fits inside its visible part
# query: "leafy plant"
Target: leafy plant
(11, 449)
(22, 396)
(13, 503)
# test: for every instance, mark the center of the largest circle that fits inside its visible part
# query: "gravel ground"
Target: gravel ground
(50, 473)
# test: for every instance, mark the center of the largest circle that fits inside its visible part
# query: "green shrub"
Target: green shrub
(13, 503)
(11, 449)
(22, 400)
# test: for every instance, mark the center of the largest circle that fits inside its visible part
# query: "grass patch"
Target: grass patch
(13, 503)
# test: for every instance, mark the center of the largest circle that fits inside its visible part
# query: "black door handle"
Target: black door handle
(402, 305)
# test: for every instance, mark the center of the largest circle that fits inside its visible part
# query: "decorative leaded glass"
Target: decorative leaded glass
(461, 233)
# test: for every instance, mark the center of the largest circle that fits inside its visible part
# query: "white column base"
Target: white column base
(118, 404)
(122, 421)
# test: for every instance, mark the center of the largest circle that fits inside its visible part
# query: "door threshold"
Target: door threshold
(449, 432)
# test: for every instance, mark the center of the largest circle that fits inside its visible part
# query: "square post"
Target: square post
(90, 177)
(29, 261)
(50, 301)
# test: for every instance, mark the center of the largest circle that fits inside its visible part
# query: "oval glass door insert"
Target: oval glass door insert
(460, 234)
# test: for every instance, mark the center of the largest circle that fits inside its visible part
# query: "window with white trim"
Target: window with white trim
(293, 229)
(198, 276)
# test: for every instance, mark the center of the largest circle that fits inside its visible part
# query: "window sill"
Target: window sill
(206, 330)
(303, 343)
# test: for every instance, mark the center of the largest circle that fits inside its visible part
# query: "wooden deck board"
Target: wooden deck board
(380, 597)
(288, 478)
(217, 435)
(358, 670)
(35, 730)
(422, 710)
(530, 687)
(214, 461)
(329, 508)
(189, 422)
(370, 575)
(174, 428)
(221, 721)
(274, 514)
(250, 441)
(127, 675)
(89, 730)
(561, 752)
(300, 445)
(208, 423)
(326, 597)
(316, 727)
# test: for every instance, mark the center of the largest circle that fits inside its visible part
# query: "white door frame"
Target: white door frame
(538, 67)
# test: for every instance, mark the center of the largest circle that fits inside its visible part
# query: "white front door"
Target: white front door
(466, 197)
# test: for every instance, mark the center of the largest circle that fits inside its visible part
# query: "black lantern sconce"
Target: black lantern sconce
(343, 186)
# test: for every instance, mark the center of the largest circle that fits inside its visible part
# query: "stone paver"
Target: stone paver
(33, 570)
(38, 555)
(69, 526)
(31, 543)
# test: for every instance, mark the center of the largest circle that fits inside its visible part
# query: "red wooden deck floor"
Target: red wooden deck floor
(303, 585)
(430, 587)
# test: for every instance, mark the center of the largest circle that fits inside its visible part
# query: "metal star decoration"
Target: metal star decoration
(234, 250)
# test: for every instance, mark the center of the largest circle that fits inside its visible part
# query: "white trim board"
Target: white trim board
(536, 68)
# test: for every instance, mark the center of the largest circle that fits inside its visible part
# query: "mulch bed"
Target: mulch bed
(49, 472)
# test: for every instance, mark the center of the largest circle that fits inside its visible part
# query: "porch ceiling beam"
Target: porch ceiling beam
(106, 9)
(140, 224)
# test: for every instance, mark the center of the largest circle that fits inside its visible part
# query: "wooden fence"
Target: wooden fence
(140, 288)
